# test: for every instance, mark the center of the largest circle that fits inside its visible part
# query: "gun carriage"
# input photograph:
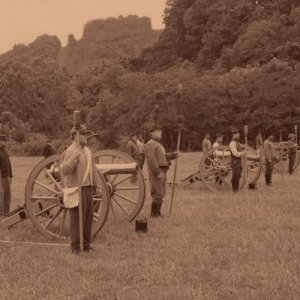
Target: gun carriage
(122, 194)
(215, 170)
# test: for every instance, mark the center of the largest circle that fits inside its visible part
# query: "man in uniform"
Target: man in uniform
(92, 141)
(48, 150)
(219, 140)
(158, 164)
(206, 144)
(141, 145)
(133, 150)
(77, 158)
(292, 151)
(270, 156)
(236, 159)
(6, 178)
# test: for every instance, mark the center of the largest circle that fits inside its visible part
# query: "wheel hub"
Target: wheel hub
(223, 170)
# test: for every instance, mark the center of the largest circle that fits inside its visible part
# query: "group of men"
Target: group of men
(78, 157)
(264, 149)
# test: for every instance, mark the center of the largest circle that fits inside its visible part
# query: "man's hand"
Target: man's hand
(161, 176)
(76, 156)
(98, 192)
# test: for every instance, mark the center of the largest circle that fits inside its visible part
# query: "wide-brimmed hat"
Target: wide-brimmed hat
(82, 130)
(291, 136)
(154, 128)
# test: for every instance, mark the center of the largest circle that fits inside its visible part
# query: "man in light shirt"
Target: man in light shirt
(219, 140)
(236, 159)
(206, 144)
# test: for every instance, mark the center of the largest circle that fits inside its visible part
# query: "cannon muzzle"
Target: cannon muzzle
(117, 169)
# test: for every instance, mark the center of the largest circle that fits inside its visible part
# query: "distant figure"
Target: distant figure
(48, 150)
(259, 143)
(133, 150)
(292, 151)
(219, 140)
(236, 159)
(141, 145)
(206, 144)
(270, 157)
(6, 178)
(158, 162)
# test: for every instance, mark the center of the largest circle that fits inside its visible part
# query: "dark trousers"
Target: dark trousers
(5, 197)
(236, 164)
(292, 159)
(158, 186)
(87, 218)
(269, 171)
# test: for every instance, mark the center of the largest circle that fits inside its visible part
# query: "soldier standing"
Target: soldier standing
(6, 178)
(270, 156)
(219, 140)
(206, 144)
(78, 158)
(133, 150)
(236, 159)
(158, 164)
(48, 150)
(292, 151)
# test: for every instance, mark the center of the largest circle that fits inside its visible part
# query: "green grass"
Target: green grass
(213, 246)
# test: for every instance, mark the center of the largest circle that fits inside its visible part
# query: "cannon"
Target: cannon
(215, 171)
(122, 197)
(282, 163)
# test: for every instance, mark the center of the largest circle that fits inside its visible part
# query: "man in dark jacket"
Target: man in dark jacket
(158, 164)
(133, 150)
(6, 178)
(292, 152)
(48, 150)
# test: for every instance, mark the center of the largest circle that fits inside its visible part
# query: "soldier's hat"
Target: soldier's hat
(82, 130)
(3, 137)
(219, 135)
(291, 136)
(91, 133)
(269, 133)
(154, 128)
(234, 130)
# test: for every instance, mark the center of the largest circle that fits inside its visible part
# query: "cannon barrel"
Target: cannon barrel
(116, 169)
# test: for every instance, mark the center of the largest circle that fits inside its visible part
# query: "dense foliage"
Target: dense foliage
(217, 64)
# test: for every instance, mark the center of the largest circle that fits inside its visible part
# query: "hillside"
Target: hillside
(38, 81)
(216, 64)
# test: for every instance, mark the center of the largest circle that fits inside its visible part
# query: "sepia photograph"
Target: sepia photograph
(150, 149)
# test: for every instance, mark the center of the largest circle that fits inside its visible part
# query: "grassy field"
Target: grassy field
(213, 246)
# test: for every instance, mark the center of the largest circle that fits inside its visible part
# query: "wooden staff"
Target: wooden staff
(281, 158)
(296, 134)
(175, 169)
(76, 122)
(246, 131)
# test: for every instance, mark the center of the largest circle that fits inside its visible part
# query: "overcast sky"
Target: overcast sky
(21, 21)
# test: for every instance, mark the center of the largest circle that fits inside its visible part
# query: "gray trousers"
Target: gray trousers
(87, 217)
(158, 186)
(5, 197)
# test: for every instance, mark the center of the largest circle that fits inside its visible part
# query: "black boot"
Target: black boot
(155, 210)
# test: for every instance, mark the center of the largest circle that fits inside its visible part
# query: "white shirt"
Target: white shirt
(234, 150)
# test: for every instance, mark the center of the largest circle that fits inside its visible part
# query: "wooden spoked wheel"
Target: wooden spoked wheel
(282, 163)
(44, 200)
(127, 191)
(216, 170)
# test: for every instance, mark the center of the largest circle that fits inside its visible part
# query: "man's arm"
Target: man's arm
(234, 150)
(96, 178)
(69, 162)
